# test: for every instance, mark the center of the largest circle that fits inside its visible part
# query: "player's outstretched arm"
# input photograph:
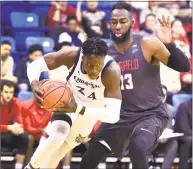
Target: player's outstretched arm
(168, 54)
(165, 50)
(113, 98)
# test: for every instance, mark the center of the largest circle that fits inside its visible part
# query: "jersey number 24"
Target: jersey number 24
(91, 96)
(126, 82)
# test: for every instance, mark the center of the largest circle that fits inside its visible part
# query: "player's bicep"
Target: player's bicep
(111, 81)
(161, 53)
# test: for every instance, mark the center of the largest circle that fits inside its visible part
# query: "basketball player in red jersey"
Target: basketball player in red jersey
(91, 73)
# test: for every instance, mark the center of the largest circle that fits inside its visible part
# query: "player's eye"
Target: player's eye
(98, 64)
(113, 22)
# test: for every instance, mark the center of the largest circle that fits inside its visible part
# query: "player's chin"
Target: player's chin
(92, 77)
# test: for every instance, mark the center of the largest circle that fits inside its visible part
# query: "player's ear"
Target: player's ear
(132, 22)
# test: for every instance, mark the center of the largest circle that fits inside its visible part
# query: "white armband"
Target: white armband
(35, 68)
(109, 114)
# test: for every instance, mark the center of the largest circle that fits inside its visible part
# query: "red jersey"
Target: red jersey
(70, 10)
(11, 113)
(34, 117)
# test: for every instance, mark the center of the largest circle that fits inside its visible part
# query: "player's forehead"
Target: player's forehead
(119, 14)
(94, 58)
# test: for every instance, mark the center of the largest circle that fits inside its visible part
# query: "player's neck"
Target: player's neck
(123, 47)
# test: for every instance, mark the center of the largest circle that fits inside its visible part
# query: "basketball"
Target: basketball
(54, 92)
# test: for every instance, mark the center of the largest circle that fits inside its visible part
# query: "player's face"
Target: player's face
(93, 65)
(121, 25)
(7, 94)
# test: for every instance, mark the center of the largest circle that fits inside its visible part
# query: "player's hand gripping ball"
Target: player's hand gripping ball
(57, 97)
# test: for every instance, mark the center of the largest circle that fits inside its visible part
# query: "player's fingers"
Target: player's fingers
(39, 92)
(164, 20)
(168, 21)
(38, 99)
(160, 21)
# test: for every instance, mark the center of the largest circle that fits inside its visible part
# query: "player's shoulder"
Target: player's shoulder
(150, 42)
(111, 67)
(70, 49)
(150, 39)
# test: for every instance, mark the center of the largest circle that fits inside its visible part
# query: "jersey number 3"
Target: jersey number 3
(91, 96)
(126, 82)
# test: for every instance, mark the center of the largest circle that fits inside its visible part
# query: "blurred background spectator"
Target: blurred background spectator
(34, 52)
(73, 33)
(36, 120)
(149, 25)
(7, 63)
(12, 130)
(93, 20)
(154, 8)
(57, 15)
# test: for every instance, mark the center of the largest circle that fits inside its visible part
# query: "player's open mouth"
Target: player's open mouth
(118, 34)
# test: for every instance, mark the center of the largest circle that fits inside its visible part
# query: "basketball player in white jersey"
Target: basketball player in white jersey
(94, 80)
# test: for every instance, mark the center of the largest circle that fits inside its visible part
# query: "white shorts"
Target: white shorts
(80, 129)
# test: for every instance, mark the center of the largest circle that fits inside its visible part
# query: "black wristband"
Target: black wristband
(171, 45)
(177, 59)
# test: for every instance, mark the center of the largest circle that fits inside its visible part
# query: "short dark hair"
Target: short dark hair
(123, 5)
(7, 83)
(34, 48)
(70, 17)
(94, 46)
(5, 42)
(149, 15)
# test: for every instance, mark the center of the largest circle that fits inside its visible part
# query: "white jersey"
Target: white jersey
(87, 92)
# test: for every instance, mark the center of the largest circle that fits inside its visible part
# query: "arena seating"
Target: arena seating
(46, 42)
